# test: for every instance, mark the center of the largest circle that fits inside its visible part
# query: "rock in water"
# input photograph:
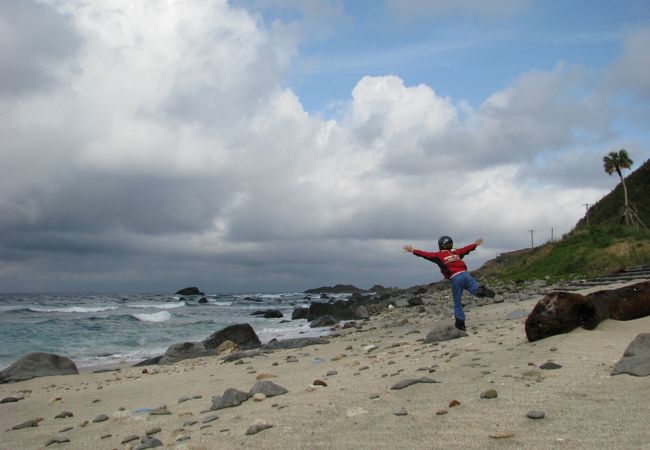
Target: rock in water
(636, 359)
(38, 365)
(189, 291)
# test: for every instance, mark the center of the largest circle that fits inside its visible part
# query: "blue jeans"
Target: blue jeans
(459, 282)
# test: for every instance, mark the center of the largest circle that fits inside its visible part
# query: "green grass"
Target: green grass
(586, 252)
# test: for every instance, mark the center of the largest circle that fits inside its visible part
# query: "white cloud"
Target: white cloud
(175, 149)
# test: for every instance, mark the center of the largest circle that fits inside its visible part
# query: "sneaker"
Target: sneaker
(484, 291)
(460, 324)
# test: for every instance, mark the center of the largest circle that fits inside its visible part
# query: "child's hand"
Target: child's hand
(408, 248)
(479, 241)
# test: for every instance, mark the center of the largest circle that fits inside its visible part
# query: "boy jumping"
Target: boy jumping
(453, 268)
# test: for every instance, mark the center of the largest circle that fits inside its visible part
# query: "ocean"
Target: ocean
(98, 329)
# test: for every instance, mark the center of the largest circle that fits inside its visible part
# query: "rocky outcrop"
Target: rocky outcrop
(241, 334)
(561, 312)
(38, 364)
(300, 313)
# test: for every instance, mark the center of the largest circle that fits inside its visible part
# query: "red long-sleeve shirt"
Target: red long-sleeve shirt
(449, 261)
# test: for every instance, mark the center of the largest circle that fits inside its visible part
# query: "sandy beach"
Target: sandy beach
(340, 396)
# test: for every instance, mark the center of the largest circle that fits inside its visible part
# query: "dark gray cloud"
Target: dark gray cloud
(37, 42)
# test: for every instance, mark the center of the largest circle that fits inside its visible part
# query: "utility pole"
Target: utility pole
(586, 205)
(532, 245)
(551, 234)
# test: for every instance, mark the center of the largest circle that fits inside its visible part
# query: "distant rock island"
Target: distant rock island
(189, 291)
(338, 289)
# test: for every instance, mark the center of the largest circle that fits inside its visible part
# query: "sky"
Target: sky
(281, 145)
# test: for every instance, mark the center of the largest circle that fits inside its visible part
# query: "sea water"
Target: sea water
(96, 329)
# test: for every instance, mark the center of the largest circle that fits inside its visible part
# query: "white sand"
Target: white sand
(585, 407)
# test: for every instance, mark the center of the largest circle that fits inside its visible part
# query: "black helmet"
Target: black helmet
(445, 243)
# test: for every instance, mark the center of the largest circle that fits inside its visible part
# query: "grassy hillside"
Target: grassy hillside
(604, 246)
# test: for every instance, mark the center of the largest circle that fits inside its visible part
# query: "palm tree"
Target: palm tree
(614, 162)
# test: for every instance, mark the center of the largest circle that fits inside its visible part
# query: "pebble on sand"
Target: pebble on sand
(27, 424)
(490, 393)
(100, 418)
(501, 434)
(454, 403)
(535, 414)
(550, 365)
(57, 440)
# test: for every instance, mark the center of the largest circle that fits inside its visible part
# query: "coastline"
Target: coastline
(584, 406)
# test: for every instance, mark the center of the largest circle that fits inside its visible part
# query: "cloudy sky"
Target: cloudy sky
(279, 145)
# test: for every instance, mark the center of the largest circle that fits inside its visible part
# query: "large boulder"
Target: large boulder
(185, 350)
(38, 364)
(241, 334)
(300, 313)
(323, 321)
(561, 312)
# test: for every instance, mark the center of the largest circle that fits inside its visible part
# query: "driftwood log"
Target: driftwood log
(561, 312)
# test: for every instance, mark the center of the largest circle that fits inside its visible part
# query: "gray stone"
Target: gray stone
(185, 350)
(10, 399)
(550, 365)
(443, 332)
(149, 442)
(490, 393)
(209, 419)
(241, 334)
(535, 414)
(36, 365)
(323, 321)
(267, 388)
(258, 426)
(100, 418)
(64, 415)
(230, 398)
(27, 424)
(151, 431)
(294, 343)
(162, 411)
(518, 314)
(57, 440)
(401, 412)
(636, 359)
(130, 438)
(406, 383)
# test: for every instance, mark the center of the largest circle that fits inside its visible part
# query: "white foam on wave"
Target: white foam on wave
(221, 303)
(161, 316)
(74, 309)
(158, 305)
